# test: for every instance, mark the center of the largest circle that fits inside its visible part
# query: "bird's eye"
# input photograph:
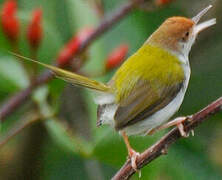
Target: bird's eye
(187, 34)
(185, 37)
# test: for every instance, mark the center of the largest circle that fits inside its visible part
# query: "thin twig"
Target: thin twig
(161, 147)
(26, 120)
(18, 99)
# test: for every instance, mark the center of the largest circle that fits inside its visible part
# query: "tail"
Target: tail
(70, 77)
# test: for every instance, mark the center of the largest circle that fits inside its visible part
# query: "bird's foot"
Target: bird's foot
(180, 126)
(179, 123)
(133, 155)
(176, 122)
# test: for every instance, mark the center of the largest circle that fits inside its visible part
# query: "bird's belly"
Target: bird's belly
(158, 118)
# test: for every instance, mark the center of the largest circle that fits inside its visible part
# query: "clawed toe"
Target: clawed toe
(192, 132)
(180, 125)
(181, 129)
(133, 157)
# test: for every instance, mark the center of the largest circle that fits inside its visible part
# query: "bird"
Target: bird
(149, 87)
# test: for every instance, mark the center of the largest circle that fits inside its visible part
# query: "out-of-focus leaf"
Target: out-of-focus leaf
(194, 165)
(57, 130)
(67, 141)
(12, 70)
(58, 164)
(81, 14)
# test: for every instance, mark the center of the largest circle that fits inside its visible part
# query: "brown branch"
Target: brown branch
(26, 120)
(18, 99)
(161, 147)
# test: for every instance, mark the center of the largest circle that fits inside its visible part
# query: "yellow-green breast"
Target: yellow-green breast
(150, 63)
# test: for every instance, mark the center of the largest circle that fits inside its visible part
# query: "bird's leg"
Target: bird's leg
(178, 122)
(132, 153)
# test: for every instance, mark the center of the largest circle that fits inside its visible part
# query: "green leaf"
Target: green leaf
(13, 71)
(67, 141)
(81, 14)
(57, 130)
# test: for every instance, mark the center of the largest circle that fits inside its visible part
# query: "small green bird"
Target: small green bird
(150, 86)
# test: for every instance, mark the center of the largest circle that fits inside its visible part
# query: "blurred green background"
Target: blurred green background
(68, 145)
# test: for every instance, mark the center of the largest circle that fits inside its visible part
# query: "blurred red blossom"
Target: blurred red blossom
(9, 21)
(69, 50)
(163, 2)
(116, 57)
(34, 32)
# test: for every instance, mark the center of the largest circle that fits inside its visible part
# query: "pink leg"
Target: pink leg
(132, 153)
(178, 122)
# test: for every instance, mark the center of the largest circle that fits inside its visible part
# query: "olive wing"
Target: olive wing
(143, 101)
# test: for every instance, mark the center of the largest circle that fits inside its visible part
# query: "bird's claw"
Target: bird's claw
(133, 157)
(192, 132)
(181, 126)
(181, 129)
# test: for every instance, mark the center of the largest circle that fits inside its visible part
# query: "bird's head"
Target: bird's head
(178, 34)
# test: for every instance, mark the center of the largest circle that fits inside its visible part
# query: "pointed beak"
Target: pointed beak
(199, 27)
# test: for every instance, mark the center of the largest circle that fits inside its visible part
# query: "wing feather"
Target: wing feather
(143, 103)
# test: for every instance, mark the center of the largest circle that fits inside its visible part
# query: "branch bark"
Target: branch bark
(161, 147)
(18, 99)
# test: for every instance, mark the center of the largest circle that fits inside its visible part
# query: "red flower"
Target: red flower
(34, 32)
(10, 23)
(116, 57)
(162, 2)
(70, 49)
